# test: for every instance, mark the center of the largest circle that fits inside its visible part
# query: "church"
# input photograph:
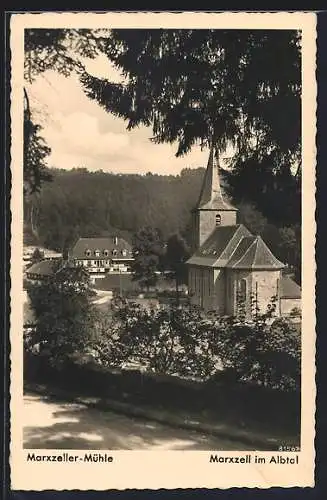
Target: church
(230, 266)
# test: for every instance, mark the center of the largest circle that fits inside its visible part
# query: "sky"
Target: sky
(82, 134)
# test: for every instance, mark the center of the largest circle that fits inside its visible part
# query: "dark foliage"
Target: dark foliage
(59, 50)
(148, 251)
(176, 254)
(63, 313)
(199, 85)
(184, 342)
(80, 203)
(37, 256)
(36, 152)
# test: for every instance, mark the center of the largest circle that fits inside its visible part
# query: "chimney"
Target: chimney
(115, 240)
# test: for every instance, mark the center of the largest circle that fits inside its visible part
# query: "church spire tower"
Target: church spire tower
(211, 210)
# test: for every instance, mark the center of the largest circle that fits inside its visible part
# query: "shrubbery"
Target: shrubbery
(185, 342)
(165, 340)
(64, 315)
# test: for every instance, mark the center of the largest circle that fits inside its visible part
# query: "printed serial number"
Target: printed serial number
(288, 448)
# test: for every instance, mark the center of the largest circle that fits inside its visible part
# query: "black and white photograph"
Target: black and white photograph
(160, 181)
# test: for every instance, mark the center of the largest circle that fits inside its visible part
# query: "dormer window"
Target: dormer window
(218, 219)
(97, 253)
(88, 253)
(124, 252)
(106, 253)
(114, 252)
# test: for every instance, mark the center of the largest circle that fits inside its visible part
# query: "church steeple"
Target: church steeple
(211, 210)
(211, 197)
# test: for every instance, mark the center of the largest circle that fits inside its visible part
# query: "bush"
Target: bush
(164, 340)
(183, 342)
(64, 314)
(295, 312)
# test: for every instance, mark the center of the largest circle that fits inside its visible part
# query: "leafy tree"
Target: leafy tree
(289, 247)
(61, 50)
(36, 152)
(63, 312)
(177, 252)
(186, 342)
(147, 253)
(251, 218)
(272, 186)
(222, 87)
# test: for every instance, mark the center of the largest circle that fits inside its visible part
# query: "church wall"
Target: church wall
(263, 283)
(220, 291)
(206, 225)
(267, 287)
(201, 287)
(204, 222)
(233, 278)
(216, 289)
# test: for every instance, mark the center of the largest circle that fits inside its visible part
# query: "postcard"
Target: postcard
(162, 322)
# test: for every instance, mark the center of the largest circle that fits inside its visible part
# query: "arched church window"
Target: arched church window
(242, 290)
(218, 219)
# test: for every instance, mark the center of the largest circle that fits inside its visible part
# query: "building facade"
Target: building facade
(230, 267)
(100, 256)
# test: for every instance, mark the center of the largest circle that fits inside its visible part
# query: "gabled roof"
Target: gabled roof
(236, 248)
(289, 289)
(253, 253)
(102, 244)
(211, 197)
(219, 246)
(244, 245)
(43, 268)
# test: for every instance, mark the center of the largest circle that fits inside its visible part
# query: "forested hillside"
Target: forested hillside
(81, 203)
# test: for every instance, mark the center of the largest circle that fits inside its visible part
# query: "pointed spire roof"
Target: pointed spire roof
(253, 253)
(211, 197)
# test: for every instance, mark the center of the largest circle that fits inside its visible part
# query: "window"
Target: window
(218, 219)
(114, 252)
(97, 253)
(88, 253)
(242, 290)
(124, 253)
(106, 253)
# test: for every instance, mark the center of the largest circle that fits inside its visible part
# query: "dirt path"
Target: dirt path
(50, 423)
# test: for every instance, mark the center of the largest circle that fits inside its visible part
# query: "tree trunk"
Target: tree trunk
(33, 223)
